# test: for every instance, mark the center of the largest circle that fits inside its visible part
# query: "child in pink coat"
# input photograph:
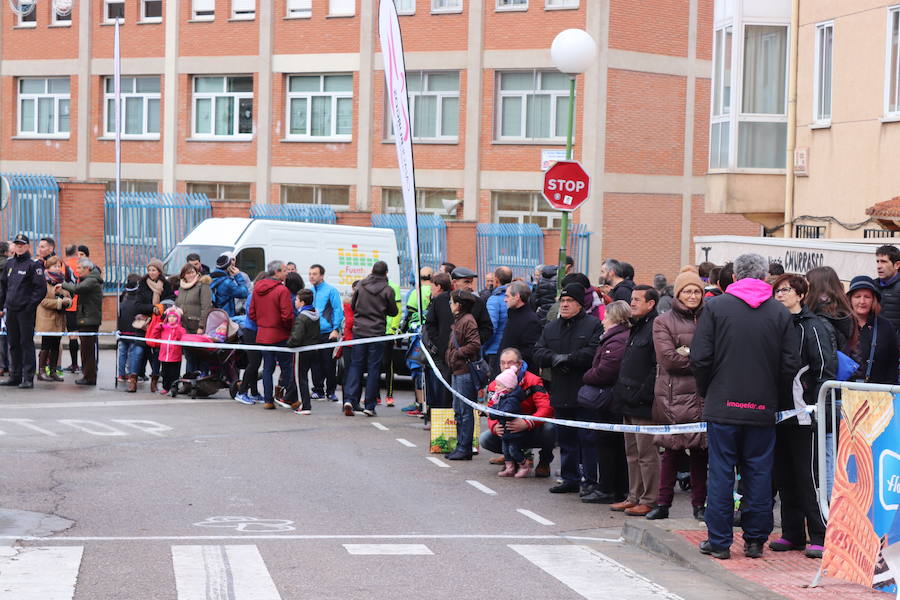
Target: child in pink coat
(169, 329)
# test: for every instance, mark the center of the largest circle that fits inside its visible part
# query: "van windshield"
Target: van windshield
(208, 255)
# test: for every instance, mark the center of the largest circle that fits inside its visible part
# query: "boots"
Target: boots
(509, 469)
(524, 470)
(154, 381)
(43, 359)
(132, 384)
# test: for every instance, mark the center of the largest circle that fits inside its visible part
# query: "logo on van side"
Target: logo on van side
(355, 264)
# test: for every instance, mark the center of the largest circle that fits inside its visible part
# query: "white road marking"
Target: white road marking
(222, 573)
(109, 403)
(535, 517)
(402, 536)
(379, 426)
(406, 443)
(481, 487)
(29, 424)
(92, 427)
(39, 573)
(438, 462)
(385, 549)
(583, 569)
(151, 427)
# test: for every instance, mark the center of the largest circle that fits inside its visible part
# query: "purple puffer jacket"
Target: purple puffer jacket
(605, 369)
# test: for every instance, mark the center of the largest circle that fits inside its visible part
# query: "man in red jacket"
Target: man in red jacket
(273, 313)
(537, 403)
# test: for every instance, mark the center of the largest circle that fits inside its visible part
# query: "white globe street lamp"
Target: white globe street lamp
(573, 51)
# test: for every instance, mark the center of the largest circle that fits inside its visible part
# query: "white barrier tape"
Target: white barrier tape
(612, 427)
(263, 348)
(74, 333)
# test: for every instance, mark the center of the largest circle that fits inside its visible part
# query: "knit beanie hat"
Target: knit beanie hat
(155, 262)
(575, 291)
(508, 379)
(686, 278)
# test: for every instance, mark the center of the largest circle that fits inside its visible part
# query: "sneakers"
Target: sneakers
(305, 411)
(814, 551)
(709, 549)
(317, 396)
(257, 398)
(410, 407)
(348, 409)
(284, 404)
(753, 549)
(783, 545)
(245, 399)
(389, 401)
(369, 413)
(414, 413)
(332, 397)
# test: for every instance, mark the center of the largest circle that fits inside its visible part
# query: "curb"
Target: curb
(665, 543)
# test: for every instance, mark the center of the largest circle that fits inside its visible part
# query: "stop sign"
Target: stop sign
(566, 185)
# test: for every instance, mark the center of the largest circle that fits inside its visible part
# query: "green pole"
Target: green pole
(564, 226)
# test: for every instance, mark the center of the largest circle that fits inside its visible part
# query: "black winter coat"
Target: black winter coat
(522, 331)
(633, 393)
(890, 301)
(145, 296)
(543, 296)
(744, 360)
(884, 362)
(439, 319)
(622, 291)
(579, 338)
(22, 283)
(127, 312)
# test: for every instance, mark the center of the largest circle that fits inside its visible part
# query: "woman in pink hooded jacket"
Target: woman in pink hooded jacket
(169, 329)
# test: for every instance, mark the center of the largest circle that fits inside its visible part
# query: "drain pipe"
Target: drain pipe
(794, 33)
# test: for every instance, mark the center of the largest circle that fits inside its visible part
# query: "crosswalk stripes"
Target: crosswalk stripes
(222, 573)
(24, 572)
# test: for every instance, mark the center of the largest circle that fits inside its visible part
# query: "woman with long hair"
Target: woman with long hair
(465, 346)
(152, 290)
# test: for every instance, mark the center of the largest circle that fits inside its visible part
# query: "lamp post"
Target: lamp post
(573, 51)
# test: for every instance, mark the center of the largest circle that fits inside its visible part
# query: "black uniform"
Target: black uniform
(22, 287)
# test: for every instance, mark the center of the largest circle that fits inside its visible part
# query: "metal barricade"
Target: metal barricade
(33, 207)
(306, 213)
(432, 242)
(580, 247)
(519, 246)
(152, 224)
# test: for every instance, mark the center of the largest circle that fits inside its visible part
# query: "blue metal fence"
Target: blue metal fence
(308, 213)
(519, 246)
(432, 242)
(579, 247)
(33, 207)
(152, 224)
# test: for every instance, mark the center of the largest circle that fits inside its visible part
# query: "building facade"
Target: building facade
(283, 102)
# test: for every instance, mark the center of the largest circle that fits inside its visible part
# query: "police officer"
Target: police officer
(22, 287)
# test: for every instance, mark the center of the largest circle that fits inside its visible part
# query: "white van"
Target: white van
(347, 253)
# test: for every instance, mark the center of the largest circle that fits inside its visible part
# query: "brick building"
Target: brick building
(283, 101)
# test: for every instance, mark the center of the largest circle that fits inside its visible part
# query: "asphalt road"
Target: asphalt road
(107, 495)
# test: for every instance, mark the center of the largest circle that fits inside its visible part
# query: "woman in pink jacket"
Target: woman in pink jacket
(169, 329)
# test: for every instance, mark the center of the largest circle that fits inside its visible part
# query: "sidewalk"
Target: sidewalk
(775, 576)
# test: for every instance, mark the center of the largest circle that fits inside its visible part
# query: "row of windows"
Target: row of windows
(507, 207)
(531, 106)
(205, 10)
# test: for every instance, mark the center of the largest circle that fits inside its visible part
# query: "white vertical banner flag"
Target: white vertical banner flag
(117, 92)
(398, 102)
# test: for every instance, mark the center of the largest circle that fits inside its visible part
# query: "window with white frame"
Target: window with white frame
(720, 123)
(405, 7)
(221, 192)
(429, 201)
(762, 124)
(453, 6)
(524, 207)
(139, 106)
(223, 107)
(151, 11)
(433, 105)
(561, 4)
(532, 105)
(203, 10)
(43, 105)
(822, 73)
(61, 15)
(297, 9)
(243, 10)
(27, 13)
(320, 107)
(512, 4)
(336, 196)
(892, 79)
(113, 9)
(341, 8)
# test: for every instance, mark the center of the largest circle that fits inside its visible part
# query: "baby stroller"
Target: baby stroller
(222, 366)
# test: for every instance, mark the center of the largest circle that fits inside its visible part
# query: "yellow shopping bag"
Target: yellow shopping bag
(443, 431)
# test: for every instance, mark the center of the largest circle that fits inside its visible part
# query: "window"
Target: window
(822, 73)
(512, 4)
(405, 7)
(433, 106)
(720, 123)
(203, 10)
(337, 196)
(341, 8)
(221, 192)
(892, 93)
(113, 9)
(524, 207)
(762, 128)
(223, 107)
(551, 4)
(427, 201)
(299, 8)
(140, 107)
(151, 11)
(320, 106)
(243, 10)
(27, 13)
(133, 186)
(446, 6)
(61, 14)
(44, 107)
(533, 105)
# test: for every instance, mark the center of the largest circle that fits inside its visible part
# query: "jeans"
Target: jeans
(366, 358)
(130, 357)
(569, 446)
(285, 361)
(324, 374)
(544, 437)
(462, 412)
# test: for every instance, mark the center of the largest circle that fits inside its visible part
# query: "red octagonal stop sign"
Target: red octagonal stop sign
(566, 185)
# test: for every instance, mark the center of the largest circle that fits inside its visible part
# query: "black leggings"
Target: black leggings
(170, 371)
(254, 360)
(51, 345)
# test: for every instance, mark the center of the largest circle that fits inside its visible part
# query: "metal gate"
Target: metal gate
(580, 247)
(307, 213)
(33, 207)
(432, 242)
(519, 246)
